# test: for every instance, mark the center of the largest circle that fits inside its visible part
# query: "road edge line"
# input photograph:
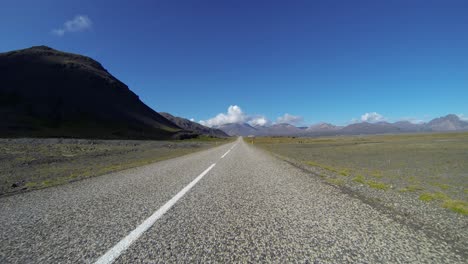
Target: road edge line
(112, 254)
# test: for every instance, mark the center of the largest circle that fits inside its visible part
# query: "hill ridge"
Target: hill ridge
(47, 92)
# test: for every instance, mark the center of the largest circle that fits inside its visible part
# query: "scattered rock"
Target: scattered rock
(18, 184)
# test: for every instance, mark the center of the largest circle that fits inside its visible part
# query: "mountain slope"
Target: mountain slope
(323, 127)
(369, 128)
(282, 129)
(238, 129)
(447, 123)
(45, 92)
(192, 126)
(406, 126)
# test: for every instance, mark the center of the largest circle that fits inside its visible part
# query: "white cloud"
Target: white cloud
(412, 120)
(354, 121)
(290, 119)
(192, 119)
(235, 115)
(463, 117)
(372, 117)
(259, 121)
(77, 24)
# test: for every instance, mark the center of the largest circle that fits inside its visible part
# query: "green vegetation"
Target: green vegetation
(359, 179)
(344, 172)
(427, 197)
(412, 188)
(433, 163)
(378, 185)
(456, 206)
(325, 167)
(441, 186)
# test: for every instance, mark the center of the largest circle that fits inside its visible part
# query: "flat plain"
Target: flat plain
(33, 163)
(432, 168)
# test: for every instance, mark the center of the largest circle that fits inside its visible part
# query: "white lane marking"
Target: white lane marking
(224, 155)
(125, 243)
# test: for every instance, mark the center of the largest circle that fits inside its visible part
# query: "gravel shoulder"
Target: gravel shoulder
(32, 163)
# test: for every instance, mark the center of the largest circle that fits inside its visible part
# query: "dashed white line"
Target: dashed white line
(125, 243)
(224, 155)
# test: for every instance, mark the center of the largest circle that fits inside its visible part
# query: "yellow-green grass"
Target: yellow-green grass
(427, 196)
(412, 188)
(456, 206)
(359, 179)
(377, 185)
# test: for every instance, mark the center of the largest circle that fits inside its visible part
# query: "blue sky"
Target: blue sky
(317, 61)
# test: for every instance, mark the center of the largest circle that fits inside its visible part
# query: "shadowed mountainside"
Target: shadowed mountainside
(49, 93)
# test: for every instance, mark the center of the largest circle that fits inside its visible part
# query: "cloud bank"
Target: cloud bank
(372, 117)
(259, 121)
(463, 117)
(412, 120)
(290, 119)
(77, 24)
(235, 114)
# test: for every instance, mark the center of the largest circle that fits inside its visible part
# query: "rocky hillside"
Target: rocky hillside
(447, 123)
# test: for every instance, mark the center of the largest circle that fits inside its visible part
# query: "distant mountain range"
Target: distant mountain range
(447, 123)
(323, 127)
(48, 93)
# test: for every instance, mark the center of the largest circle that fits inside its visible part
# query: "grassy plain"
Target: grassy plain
(432, 167)
(32, 163)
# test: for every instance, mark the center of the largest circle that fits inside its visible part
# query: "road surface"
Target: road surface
(232, 203)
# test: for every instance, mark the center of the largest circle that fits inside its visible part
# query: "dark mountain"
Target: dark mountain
(238, 129)
(193, 126)
(406, 126)
(447, 123)
(369, 128)
(282, 129)
(323, 127)
(49, 93)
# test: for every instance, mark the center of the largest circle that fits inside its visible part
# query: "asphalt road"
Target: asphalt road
(249, 207)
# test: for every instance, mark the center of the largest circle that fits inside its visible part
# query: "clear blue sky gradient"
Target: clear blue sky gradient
(323, 60)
